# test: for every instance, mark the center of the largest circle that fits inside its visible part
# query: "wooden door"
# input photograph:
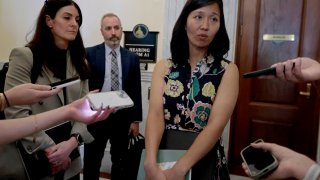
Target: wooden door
(272, 109)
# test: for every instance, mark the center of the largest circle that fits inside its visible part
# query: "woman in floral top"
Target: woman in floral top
(194, 93)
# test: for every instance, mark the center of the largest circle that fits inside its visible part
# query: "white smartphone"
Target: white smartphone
(114, 99)
(65, 82)
(261, 163)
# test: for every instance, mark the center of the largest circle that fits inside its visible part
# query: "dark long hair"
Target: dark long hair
(179, 42)
(42, 43)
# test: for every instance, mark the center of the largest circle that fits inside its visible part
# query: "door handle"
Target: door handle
(307, 92)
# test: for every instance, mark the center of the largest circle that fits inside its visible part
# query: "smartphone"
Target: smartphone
(114, 99)
(261, 163)
(267, 71)
(65, 82)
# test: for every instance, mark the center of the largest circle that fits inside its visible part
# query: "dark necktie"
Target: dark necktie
(114, 72)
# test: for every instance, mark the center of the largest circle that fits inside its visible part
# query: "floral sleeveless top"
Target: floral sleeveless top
(188, 98)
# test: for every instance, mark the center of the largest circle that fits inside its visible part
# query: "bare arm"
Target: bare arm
(29, 93)
(155, 121)
(13, 129)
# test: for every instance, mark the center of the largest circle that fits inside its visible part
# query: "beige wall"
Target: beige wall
(17, 18)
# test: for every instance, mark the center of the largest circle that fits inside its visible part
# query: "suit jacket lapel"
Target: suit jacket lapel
(71, 72)
(125, 66)
(101, 57)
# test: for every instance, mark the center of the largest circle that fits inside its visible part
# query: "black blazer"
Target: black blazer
(131, 77)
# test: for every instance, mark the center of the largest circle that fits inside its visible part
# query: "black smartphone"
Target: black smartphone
(65, 82)
(259, 162)
(267, 71)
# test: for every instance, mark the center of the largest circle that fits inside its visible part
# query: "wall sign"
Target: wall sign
(142, 42)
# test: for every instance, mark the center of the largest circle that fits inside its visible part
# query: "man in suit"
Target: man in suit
(124, 122)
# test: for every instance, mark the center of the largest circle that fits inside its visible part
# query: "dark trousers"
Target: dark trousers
(114, 130)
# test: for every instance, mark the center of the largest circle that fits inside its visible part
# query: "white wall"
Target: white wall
(17, 18)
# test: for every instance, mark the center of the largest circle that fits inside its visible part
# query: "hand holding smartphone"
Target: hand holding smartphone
(113, 99)
(259, 162)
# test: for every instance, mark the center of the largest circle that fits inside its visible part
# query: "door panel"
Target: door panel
(272, 109)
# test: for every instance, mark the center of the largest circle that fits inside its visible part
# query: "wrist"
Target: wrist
(64, 114)
(303, 169)
(150, 165)
(150, 161)
(78, 138)
(180, 168)
(67, 110)
(2, 102)
(6, 99)
(313, 172)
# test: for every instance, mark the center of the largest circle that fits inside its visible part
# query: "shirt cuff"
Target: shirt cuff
(313, 172)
